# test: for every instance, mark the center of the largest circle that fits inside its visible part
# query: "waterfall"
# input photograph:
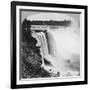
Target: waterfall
(58, 47)
(44, 45)
(42, 42)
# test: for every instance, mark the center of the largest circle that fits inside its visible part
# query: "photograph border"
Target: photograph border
(13, 44)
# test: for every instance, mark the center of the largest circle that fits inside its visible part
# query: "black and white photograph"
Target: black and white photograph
(50, 46)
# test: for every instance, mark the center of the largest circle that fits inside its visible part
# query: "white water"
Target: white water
(42, 42)
(64, 44)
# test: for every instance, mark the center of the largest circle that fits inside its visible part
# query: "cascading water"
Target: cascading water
(65, 45)
(42, 42)
(57, 48)
(44, 45)
(47, 50)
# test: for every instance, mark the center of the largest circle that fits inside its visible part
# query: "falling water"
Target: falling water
(42, 42)
(44, 45)
(65, 45)
(58, 47)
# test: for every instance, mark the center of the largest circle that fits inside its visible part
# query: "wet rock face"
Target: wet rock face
(30, 62)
